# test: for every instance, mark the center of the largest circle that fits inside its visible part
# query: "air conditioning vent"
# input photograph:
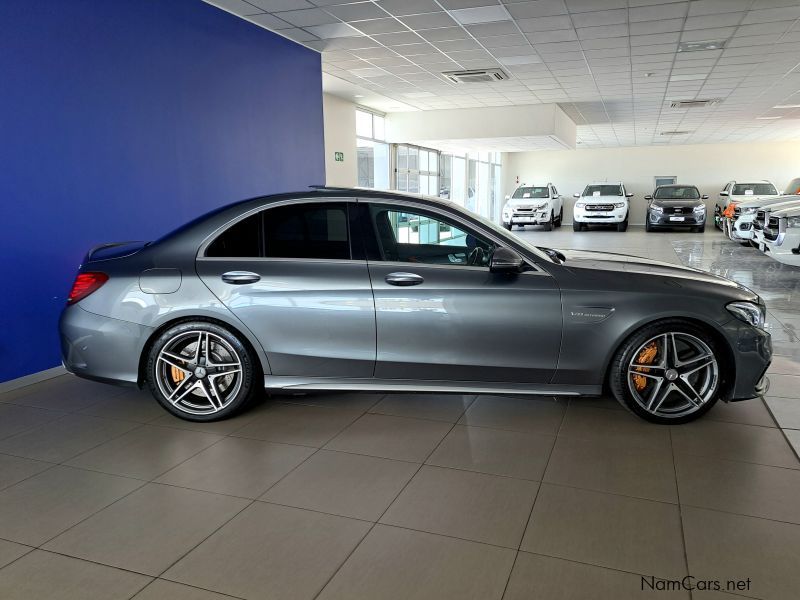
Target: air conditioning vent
(694, 103)
(476, 76)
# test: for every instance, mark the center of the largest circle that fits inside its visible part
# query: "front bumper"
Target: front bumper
(600, 217)
(752, 349)
(674, 220)
(740, 229)
(101, 348)
(533, 217)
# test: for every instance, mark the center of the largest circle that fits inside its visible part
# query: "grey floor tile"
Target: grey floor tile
(608, 466)
(629, 534)
(600, 402)
(66, 393)
(44, 575)
(533, 415)
(15, 418)
(439, 407)
(359, 401)
(35, 510)
(131, 405)
(11, 551)
(398, 564)
(298, 424)
(494, 451)
(146, 452)
(237, 466)
(64, 438)
(793, 436)
(14, 469)
(161, 589)
(745, 488)
(271, 552)
(350, 485)
(784, 365)
(148, 530)
(589, 423)
(746, 412)
(784, 386)
(733, 547)
(472, 506)
(222, 427)
(732, 441)
(385, 436)
(550, 578)
(785, 410)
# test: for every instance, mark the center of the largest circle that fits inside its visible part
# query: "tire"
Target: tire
(560, 220)
(549, 225)
(576, 226)
(640, 393)
(191, 389)
(624, 225)
(509, 226)
(647, 226)
(701, 229)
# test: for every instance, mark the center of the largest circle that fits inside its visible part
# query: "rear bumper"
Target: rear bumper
(101, 348)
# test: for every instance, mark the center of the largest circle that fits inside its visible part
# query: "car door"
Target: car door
(289, 273)
(441, 314)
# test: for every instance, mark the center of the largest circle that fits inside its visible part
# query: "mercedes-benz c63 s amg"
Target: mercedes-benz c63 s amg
(337, 289)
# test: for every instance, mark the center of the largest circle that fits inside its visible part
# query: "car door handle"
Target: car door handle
(403, 279)
(240, 277)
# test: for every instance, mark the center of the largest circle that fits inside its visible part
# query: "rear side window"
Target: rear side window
(305, 230)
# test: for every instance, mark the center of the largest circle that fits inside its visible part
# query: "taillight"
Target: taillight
(85, 284)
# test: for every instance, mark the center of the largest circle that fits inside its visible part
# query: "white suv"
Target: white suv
(602, 204)
(735, 192)
(534, 205)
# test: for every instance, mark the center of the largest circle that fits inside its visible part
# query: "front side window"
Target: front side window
(603, 190)
(531, 192)
(754, 189)
(408, 235)
(677, 193)
(303, 230)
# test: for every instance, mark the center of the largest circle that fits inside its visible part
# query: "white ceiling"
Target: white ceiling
(612, 65)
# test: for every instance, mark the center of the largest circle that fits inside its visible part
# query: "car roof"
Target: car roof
(746, 181)
(606, 183)
(669, 185)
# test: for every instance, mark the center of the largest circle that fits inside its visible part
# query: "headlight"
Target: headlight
(580, 204)
(700, 209)
(749, 210)
(793, 222)
(750, 313)
(656, 209)
(619, 204)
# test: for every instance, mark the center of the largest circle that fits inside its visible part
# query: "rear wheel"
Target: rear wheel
(200, 371)
(667, 372)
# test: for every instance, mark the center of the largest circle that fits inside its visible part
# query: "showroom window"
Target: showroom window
(372, 150)
(473, 180)
(303, 230)
(417, 170)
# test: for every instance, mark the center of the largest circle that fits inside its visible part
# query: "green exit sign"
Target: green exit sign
(338, 156)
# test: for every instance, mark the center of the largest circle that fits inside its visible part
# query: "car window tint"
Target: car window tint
(307, 230)
(242, 240)
(531, 192)
(757, 189)
(603, 190)
(678, 193)
(411, 236)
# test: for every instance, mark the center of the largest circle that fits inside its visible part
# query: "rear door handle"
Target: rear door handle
(240, 277)
(403, 279)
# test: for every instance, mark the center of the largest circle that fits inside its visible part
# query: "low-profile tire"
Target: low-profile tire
(667, 372)
(549, 225)
(200, 371)
(576, 226)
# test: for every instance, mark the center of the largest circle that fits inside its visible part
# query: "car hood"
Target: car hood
(608, 261)
(601, 199)
(677, 203)
(740, 199)
(526, 202)
(760, 203)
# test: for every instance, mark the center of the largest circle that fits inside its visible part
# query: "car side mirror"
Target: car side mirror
(508, 197)
(629, 195)
(505, 260)
(723, 193)
(648, 197)
(704, 197)
(576, 195)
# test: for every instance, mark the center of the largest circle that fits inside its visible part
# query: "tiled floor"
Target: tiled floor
(351, 496)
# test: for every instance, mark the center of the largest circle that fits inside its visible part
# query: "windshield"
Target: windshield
(531, 192)
(603, 190)
(688, 192)
(753, 189)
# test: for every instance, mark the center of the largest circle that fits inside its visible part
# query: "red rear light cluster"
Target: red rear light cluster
(85, 284)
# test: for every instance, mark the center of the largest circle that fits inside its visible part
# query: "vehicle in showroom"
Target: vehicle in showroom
(793, 188)
(676, 206)
(734, 192)
(534, 205)
(782, 236)
(762, 218)
(602, 204)
(740, 227)
(331, 289)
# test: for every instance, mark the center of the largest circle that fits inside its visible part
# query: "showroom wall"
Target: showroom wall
(340, 136)
(709, 166)
(121, 120)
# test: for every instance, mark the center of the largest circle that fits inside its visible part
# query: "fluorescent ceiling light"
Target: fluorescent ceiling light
(481, 14)
(767, 118)
(333, 30)
(698, 46)
(520, 60)
(786, 106)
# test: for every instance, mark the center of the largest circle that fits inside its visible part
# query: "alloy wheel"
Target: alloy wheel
(198, 372)
(673, 374)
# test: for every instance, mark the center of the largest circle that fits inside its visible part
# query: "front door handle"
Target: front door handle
(240, 277)
(403, 279)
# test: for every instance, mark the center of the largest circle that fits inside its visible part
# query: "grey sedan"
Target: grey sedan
(336, 289)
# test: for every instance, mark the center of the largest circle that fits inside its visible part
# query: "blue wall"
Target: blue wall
(121, 119)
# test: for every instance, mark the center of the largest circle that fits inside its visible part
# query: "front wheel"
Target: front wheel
(647, 226)
(576, 226)
(560, 220)
(549, 225)
(624, 225)
(507, 226)
(701, 229)
(200, 371)
(667, 372)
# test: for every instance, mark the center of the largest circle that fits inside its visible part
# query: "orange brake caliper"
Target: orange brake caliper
(646, 357)
(177, 374)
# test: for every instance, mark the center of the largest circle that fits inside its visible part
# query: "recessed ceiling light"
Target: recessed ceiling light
(358, 96)
(649, 74)
(480, 14)
(786, 106)
(698, 46)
